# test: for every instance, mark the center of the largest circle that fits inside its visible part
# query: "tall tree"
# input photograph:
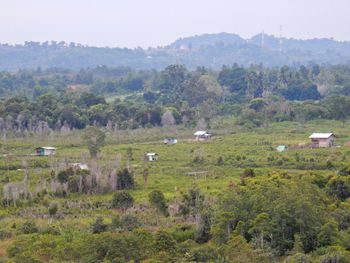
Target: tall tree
(94, 139)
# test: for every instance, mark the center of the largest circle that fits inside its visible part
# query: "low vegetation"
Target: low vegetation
(242, 202)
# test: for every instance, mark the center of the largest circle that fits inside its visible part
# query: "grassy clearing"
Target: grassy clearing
(239, 149)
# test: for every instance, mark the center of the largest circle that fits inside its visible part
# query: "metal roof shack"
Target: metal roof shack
(152, 157)
(45, 151)
(322, 140)
(202, 135)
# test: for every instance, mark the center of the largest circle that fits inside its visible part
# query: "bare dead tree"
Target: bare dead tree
(145, 169)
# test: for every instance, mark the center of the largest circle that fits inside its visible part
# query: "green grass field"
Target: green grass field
(239, 149)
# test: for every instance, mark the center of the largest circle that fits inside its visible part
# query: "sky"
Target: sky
(145, 23)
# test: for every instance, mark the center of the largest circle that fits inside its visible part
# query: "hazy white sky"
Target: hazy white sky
(132, 23)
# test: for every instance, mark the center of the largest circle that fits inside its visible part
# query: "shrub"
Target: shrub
(29, 227)
(98, 226)
(198, 157)
(129, 222)
(183, 233)
(220, 161)
(279, 162)
(344, 171)
(53, 208)
(248, 172)
(125, 179)
(157, 199)
(339, 187)
(122, 200)
(335, 254)
(298, 257)
(51, 230)
(63, 176)
(203, 231)
(116, 223)
(330, 164)
(5, 234)
(164, 242)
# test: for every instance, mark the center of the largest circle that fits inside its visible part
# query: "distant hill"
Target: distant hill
(209, 50)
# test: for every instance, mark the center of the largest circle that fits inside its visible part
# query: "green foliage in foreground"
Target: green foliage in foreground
(262, 220)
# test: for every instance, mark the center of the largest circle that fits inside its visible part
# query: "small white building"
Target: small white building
(202, 135)
(322, 140)
(170, 141)
(79, 166)
(45, 151)
(152, 157)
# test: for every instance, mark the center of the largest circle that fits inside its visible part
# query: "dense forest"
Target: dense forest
(209, 50)
(121, 98)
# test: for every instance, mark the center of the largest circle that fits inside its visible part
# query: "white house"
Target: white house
(202, 135)
(170, 141)
(45, 151)
(152, 157)
(79, 166)
(322, 140)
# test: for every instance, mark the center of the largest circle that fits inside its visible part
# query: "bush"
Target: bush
(183, 233)
(116, 223)
(98, 226)
(53, 208)
(5, 234)
(335, 255)
(220, 161)
(164, 242)
(29, 227)
(125, 179)
(203, 231)
(129, 222)
(299, 257)
(122, 200)
(63, 176)
(248, 172)
(157, 199)
(339, 187)
(344, 171)
(51, 230)
(330, 165)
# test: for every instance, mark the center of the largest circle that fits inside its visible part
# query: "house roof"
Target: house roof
(47, 148)
(170, 140)
(199, 133)
(82, 166)
(320, 135)
(151, 154)
(281, 148)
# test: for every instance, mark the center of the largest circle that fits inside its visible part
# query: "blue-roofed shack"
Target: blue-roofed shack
(281, 148)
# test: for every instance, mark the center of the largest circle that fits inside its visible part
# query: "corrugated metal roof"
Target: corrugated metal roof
(47, 148)
(199, 133)
(320, 135)
(281, 148)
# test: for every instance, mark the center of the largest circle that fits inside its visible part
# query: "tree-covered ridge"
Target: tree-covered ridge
(209, 50)
(62, 99)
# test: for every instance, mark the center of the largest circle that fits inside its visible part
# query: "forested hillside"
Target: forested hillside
(210, 50)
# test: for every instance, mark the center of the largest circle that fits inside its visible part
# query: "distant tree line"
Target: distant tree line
(210, 50)
(121, 98)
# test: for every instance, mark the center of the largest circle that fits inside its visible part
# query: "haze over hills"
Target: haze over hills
(209, 50)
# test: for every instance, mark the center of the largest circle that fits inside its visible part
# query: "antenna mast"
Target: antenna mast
(280, 40)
